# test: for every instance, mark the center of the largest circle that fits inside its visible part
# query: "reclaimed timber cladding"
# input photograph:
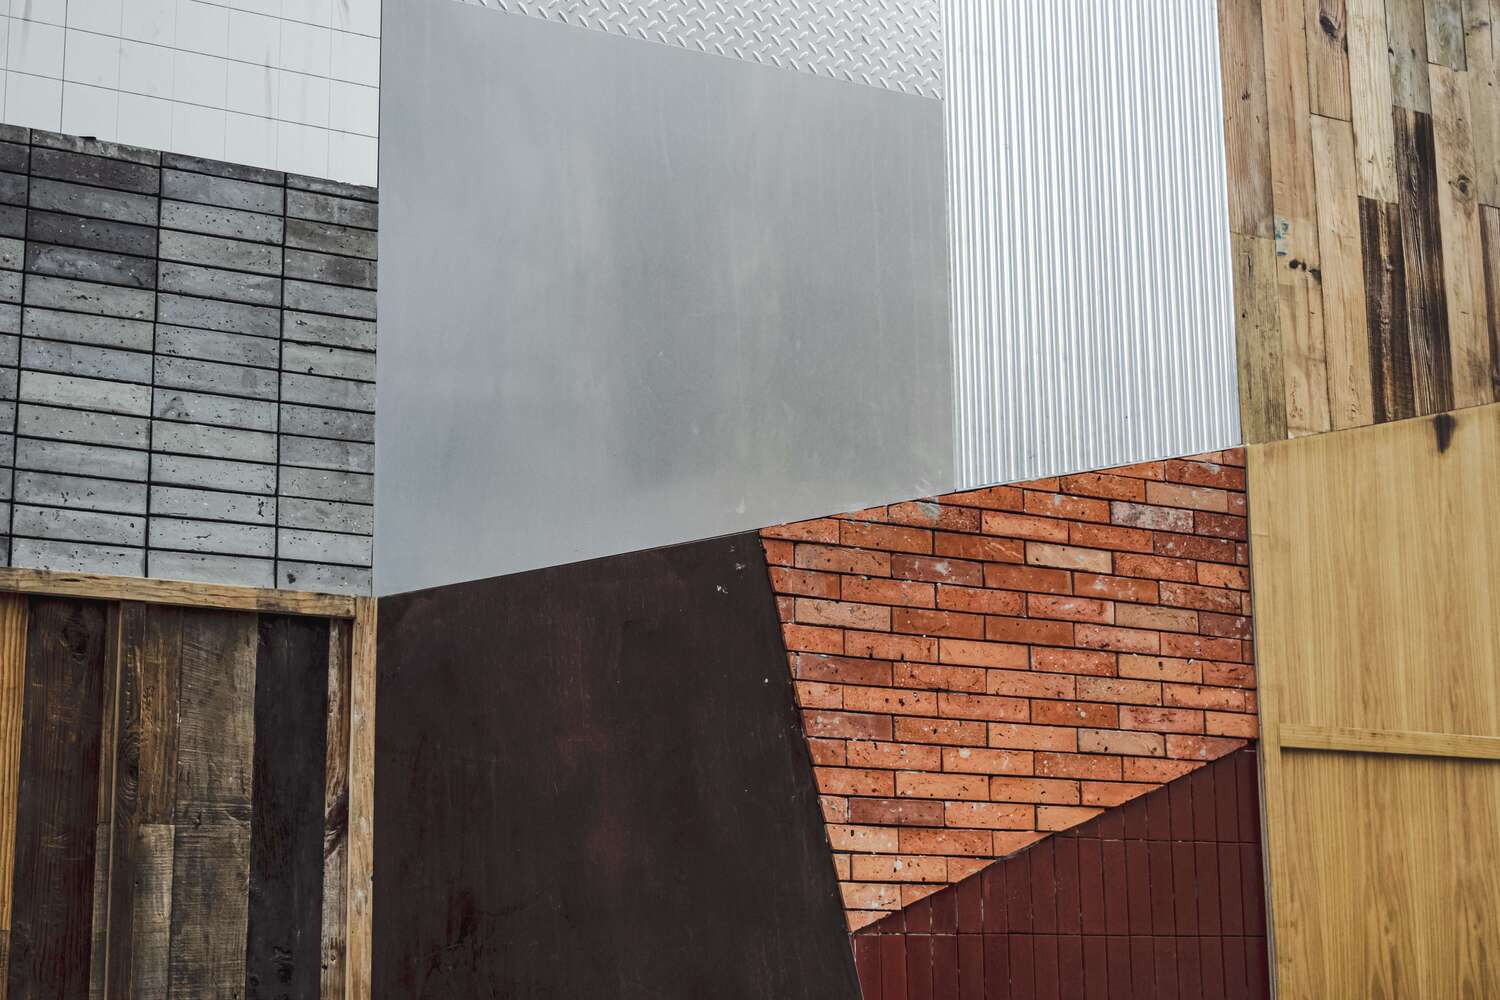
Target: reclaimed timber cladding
(590, 783)
(173, 801)
(186, 367)
(980, 669)
(1379, 652)
(1161, 897)
(1363, 143)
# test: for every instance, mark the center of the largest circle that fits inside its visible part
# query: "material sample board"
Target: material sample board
(1378, 627)
(590, 781)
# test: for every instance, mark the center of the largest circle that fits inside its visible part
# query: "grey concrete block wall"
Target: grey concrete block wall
(187, 365)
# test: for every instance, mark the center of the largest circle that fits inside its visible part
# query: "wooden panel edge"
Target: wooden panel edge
(13, 618)
(361, 859)
(1298, 736)
(186, 594)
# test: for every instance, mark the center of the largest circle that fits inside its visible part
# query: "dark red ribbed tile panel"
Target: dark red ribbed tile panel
(1158, 899)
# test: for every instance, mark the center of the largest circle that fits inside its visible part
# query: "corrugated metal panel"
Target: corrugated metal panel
(1091, 284)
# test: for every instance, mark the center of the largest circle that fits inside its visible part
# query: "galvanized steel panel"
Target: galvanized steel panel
(1092, 304)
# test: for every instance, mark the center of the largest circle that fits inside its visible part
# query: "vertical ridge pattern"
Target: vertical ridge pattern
(1078, 136)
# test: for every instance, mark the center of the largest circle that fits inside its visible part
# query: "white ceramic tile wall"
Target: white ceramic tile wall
(287, 84)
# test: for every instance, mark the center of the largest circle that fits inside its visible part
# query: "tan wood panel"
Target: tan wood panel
(1370, 99)
(12, 696)
(361, 799)
(1391, 890)
(1344, 320)
(1328, 57)
(1388, 741)
(1376, 553)
(197, 595)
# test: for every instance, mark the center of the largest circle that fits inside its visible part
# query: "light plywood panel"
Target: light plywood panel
(1392, 889)
(1376, 553)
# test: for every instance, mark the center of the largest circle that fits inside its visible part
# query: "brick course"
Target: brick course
(978, 670)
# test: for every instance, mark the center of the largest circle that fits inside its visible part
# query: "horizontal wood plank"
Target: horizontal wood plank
(194, 595)
(1297, 736)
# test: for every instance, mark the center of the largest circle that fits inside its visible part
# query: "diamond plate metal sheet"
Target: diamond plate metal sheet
(894, 44)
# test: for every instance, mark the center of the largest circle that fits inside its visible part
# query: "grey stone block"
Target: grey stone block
(12, 254)
(321, 453)
(10, 349)
(9, 379)
(212, 536)
(70, 459)
(211, 282)
(88, 297)
(196, 567)
(77, 557)
(328, 208)
(212, 220)
(87, 361)
(78, 525)
(327, 238)
(220, 411)
(213, 473)
(80, 492)
(338, 189)
(95, 170)
(211, 345)
(208, 314)
(315, 391)
(220, 168)
(12, 188)
(105, 331)
(85, 393)
(15, 157)
(324, 547)
(224, 192)
(327, 515)
(317, 421)
(333, 331)
(84, 426)
(10, 318)
(7, 450)
(91, 265)
(101, 203)
(10, 286)
(94, 147)
(323, 484)
(306, 296)
(331, 362)
(7, 421)
(213, 505)
(353, 272)
(211, 376)
(215, 251)
(213, 442)
(12, 221)
(322, 579)
(91, 234)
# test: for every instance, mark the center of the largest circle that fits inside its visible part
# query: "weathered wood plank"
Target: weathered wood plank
(216, 720)
(1490, 243)
(360, 950)
(1344, 319)
(1445, 33)
(1463, 257)
(336, 814)
(1480, 48)
(1258, 340)
(1370, 96)
(1294, 195)
(210, 871)
(1385, 309)
(1328, 58)
(13, 615)
(283, 949)
(57, 805)
(151, 912)
(1421, 244)
(150, 650)
(1406, 27)
(1246, 139)
(105, 809)
(194, 595)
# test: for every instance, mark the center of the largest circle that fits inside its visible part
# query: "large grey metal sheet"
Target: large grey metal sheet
(633, 294)
(1092, 303)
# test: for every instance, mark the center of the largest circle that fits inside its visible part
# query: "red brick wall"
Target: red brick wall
(980, 669)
